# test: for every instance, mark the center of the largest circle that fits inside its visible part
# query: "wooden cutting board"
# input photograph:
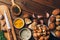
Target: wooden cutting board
(7, 35)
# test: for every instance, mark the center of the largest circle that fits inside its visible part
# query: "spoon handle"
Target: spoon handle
(12, 2)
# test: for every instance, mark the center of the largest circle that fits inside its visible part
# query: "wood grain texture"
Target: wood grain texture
(8, 36)
(31, 6)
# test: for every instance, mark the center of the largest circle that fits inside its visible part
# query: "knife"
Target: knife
(7, 22)
(8, 26)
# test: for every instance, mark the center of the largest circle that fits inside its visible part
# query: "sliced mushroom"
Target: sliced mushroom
(28, 21)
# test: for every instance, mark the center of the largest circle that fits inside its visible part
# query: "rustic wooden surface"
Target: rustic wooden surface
(30, 6)
(43, 2)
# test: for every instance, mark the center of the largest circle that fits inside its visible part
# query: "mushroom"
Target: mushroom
(52, 19)
(58, 18)
(25, 15)
(58, 28)
(38, 34)
(44, 27)
(33, 25)
(46, 37)
(57, 23)
(51, 26)
(27, 21)
(41, 38)
(42, 22)
(56, 12)
(57, 33)
(35, 35)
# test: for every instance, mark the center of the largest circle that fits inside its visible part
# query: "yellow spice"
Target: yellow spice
(19, 23)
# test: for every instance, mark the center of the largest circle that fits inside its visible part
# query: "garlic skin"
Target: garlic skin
(39, 16)
(47, 15)
(33, 15)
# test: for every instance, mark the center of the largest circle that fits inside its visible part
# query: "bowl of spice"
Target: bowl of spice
(18, 23)
(25, 34)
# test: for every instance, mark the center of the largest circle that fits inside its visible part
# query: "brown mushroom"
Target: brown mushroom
(51, 26)
(41, 38)
(57, 33)
(35, 35)
(38, 34)
(46, 37)
(57, 23)
(25, 15)
(52, 19)
(58, 28)
(56, 11)
(58, 17)
(44, 27)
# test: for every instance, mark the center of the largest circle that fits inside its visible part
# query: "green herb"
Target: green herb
(2, 37)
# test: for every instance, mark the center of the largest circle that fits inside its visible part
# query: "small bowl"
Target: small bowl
(20, 21)
(25, 34)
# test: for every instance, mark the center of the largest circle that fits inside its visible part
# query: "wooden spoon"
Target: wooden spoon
(15, 8)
